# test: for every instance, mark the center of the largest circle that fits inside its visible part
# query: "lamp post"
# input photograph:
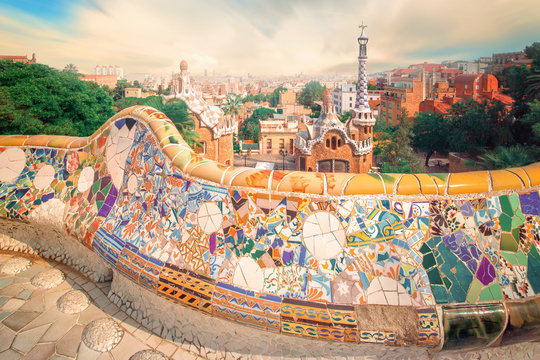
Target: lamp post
(283, 154)
(246, 155)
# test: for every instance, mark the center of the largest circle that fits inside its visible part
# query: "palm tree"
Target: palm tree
(532, 91)
(505, 157)
(233, 106)
(70, 68)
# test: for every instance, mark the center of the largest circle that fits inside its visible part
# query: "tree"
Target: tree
(397, 155)
(345, 116)
(233, 106)
(70, 68)
(175, 109)
(532, 89)
(36, 99)
(236, 145)
(531, 123)
(250, 128)
(312, 91)
(431, 134)
(118, 91)
(275, 95)
(371, 87)
(505, 157)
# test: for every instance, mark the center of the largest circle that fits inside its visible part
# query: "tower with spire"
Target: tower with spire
(328, 145)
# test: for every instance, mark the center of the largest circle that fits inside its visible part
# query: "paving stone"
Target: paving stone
(6, 338)
(3, 300)
(127, 347)
(4, 315)
(12, 290)
(69, 343)
(149, 355)
(141, 334)
(25, 340)
(35, 303)
(15, 265)
(153, 341)
(5, 282)
(90, 314)
(25, 294)
(40, 351)
(95, 293)
(59, 357)
(12, 305)
(87, 354)
(10, 355)
(167, 348)
(19, 319)
(58, 329)
(130, 325)
(102, 334)
(72, 302)
(48, 279)
(182, 354)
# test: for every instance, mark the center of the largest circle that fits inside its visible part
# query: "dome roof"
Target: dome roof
(183, 65)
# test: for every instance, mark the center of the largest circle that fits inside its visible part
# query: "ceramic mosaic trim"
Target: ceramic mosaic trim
(297, 263)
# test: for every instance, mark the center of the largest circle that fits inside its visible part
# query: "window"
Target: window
(327, 143)
(365, 130)
(384, 113)
(333, 143)
(350, 98)
(384, 103)
(350, 104)
(353, 136)
(332, 165)
(389, 105)
(466, 86)
(339, 143)
(389, 115)
(282, 143)
(398, 106)
(269, 144)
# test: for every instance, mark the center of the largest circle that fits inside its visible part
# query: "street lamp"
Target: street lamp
(283, 154)
(246, 155)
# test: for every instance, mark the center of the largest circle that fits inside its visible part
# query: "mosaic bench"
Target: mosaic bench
(450, 261)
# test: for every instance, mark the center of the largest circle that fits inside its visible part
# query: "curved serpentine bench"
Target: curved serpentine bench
(442, 260)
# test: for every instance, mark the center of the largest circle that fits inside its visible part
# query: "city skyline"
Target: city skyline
(260, 37)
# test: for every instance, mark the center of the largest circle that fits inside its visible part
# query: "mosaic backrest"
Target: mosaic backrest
(448, 260)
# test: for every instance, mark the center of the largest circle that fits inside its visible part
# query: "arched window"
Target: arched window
(365, 130)
(327, 143)
(333, 143)
(339, 143)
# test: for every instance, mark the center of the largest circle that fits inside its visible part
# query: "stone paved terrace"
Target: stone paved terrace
(32, 327)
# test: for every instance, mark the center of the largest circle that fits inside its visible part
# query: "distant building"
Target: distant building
(470, 67)
(344, 97)
(109, 70)
(278, 134)
(16, 58)
(501, 60)
(287, 98)
(215, 129)
(405, 93)
(109, 80)
(472, 85)
(328, 145)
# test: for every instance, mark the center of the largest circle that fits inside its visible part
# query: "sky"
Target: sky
(262, 37)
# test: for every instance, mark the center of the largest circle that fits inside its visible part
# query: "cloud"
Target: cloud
(267, 37)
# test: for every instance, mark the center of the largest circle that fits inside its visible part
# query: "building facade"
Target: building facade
(328, 145)
(287, 98)
(407, 93)
(109, 70)
(215, 129)
(344, 97)
(278, 134)
(16, 58)
(101, 80)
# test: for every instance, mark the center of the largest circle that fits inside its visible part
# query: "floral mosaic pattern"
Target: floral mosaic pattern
(295, 263)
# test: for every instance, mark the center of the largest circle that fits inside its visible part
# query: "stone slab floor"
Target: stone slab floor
(33, 327)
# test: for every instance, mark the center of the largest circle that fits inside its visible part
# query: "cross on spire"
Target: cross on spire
(362, 27)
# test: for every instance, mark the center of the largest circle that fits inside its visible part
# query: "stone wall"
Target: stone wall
(447, 261)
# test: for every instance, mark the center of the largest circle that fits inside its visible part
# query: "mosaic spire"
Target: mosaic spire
(361, 91)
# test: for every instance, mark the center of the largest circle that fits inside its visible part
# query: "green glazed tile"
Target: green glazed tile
(508, 243)
(474, 291)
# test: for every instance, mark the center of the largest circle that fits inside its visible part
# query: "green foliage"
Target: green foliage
(275, 95)
(431, 134)
(345, 116)
(531, 123)
(533, 52)
(36, 99)
(315, 110)
(311, 92)
(236, 145)
(532, 89)
(175, 109)
(250, 128)
(397, 155)
(121, 85)
(371, 87)
(233, 106)
(259, 98)
(505, 157)
(71, 68)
